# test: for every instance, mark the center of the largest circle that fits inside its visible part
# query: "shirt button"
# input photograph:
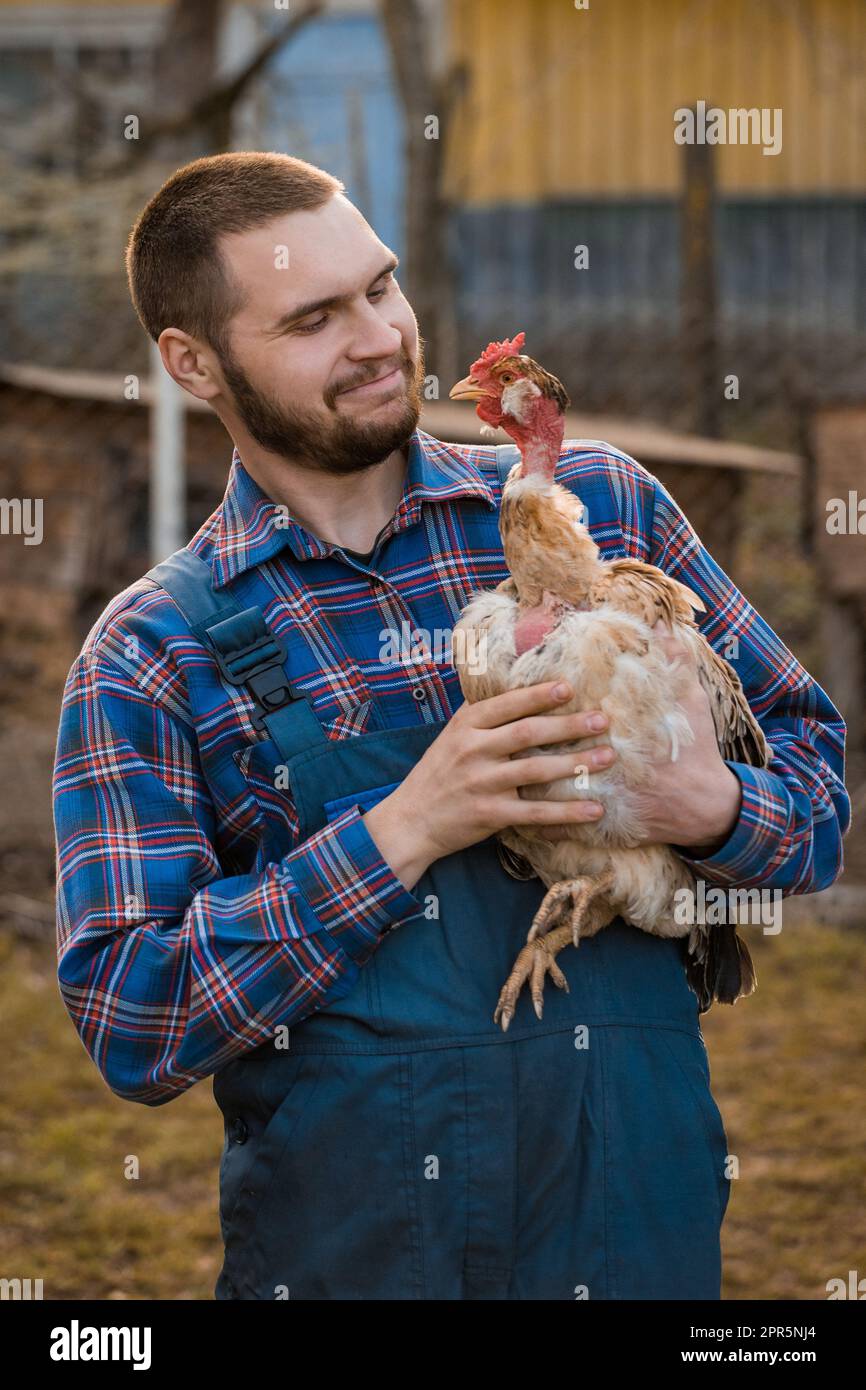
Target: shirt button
(239, 1130)
(419, 693)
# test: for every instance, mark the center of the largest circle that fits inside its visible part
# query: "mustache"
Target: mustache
(403, 363)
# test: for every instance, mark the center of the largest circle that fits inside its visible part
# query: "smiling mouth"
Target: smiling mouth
(382, 383)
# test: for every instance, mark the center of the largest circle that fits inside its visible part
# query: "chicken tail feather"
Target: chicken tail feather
(721, 969)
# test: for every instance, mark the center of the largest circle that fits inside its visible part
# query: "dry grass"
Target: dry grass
(71, 1217)
(788, 1072)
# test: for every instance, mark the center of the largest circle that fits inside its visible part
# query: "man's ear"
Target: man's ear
(189, 363)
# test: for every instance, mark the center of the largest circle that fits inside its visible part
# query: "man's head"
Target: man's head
(271, 297)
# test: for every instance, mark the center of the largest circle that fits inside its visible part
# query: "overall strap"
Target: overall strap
(506, 457)
(246, 651)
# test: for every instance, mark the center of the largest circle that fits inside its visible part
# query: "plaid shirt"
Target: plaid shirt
(180, 946)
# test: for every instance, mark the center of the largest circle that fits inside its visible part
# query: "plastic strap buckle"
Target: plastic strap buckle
(260, 667)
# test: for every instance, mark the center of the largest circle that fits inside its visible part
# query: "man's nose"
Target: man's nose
(376, 338)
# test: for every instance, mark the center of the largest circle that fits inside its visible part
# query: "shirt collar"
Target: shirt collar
(251, 527)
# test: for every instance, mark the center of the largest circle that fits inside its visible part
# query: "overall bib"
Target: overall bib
(401, 1146)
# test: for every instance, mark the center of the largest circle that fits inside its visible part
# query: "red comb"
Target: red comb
(494, 352)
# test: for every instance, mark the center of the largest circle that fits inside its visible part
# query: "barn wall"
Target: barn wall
(564, 137)
(561, 103)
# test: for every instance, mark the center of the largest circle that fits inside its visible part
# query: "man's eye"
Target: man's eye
(320, 323)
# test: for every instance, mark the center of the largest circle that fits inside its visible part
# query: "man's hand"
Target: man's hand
(694, 802)
(465, 786)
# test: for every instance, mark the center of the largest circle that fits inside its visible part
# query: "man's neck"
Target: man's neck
(347, 510)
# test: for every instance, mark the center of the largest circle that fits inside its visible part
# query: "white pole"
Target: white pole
(167, 474)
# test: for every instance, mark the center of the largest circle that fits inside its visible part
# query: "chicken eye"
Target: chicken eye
(506, 378)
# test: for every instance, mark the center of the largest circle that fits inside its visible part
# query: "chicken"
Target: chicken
(565, 612)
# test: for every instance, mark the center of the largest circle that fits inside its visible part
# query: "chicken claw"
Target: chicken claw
(577, 893)
(590, 910)
(536, 960)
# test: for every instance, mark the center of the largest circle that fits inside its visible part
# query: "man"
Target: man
(276, 852)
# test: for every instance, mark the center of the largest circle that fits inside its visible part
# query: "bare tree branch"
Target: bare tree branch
(211, 111)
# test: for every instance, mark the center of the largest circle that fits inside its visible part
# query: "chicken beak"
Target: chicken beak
(466, 390)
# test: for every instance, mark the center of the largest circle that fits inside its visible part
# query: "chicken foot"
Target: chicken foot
(579, 892)
(590, 910)
(535, 961)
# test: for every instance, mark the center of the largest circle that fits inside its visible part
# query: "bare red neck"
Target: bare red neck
(539, 440)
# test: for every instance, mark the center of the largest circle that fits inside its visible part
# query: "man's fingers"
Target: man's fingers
(551, 767)
(578, 812)
(515, 740)
(516, 704)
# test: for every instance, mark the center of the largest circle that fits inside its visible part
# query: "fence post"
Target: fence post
(167, 474)
(698, 271)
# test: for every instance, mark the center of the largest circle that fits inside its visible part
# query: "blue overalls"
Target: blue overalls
(402, 1146)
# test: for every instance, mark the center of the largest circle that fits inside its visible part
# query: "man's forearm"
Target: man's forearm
(407, 852)
(723, 814)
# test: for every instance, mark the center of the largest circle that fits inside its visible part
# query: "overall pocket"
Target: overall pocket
(250, 1126)
(665, 1154)
(366, 799)
(326, 1210)
(255, 1139)
(690, 1053)
(268, 783)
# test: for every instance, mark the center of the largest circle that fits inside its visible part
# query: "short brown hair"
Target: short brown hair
(177, 277)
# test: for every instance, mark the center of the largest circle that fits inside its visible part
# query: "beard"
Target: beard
(327, 441)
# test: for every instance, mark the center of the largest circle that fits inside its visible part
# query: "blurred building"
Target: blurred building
(563, 135)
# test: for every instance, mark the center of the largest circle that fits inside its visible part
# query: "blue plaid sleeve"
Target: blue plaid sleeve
(168, 968)
(794, 813)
